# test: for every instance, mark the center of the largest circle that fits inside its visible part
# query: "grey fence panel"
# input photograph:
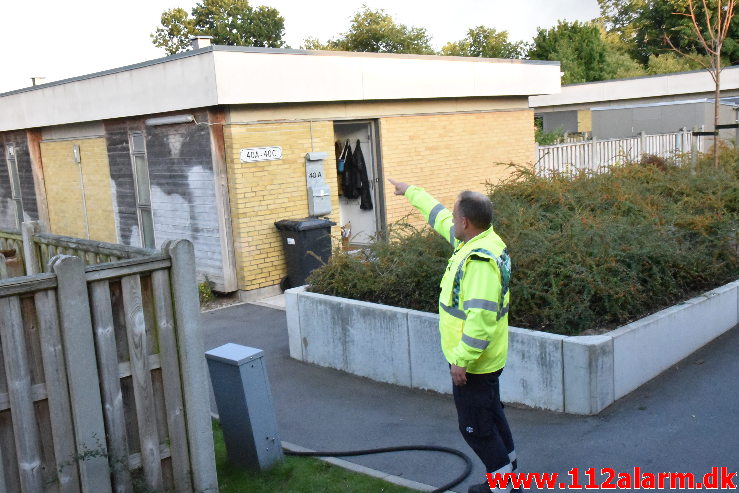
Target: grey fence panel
(115, 370)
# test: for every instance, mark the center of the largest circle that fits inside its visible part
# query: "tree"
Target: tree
(621, 64)
(642, 25)
(230, 22)
(484, 42)
(376, 31)
(669, 63)
(578, 46)
(710, 25)
(175, 31)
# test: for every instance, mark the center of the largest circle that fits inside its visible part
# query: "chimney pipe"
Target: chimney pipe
(198, 42)
(37, 80)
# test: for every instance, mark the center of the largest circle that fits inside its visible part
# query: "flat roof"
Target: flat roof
(229, 75)
(680, 83)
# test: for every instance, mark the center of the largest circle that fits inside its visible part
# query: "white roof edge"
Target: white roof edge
(697, 81)
(221, 75)
(284, 51)
(661, 103)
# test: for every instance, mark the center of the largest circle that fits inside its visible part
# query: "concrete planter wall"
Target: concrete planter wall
(578, 375)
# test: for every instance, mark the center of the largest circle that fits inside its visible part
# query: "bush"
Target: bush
(401, 268)
(549, 138)
(588, 252)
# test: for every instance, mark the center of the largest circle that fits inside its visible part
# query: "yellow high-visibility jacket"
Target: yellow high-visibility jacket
(474, 298)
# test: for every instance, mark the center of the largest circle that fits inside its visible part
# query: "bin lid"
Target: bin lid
(303, 224)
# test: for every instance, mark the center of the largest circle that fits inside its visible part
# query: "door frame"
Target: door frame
(377, 169)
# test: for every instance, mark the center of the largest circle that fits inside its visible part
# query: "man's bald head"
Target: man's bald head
(477, 208)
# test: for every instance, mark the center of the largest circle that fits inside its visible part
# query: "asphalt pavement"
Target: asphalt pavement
(685, 420)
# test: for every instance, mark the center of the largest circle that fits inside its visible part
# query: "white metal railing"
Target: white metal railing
(598, 155)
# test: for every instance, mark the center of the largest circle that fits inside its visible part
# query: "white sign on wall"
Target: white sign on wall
(255, 154)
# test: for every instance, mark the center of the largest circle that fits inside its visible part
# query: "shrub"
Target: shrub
(593, 251)
(402, 267)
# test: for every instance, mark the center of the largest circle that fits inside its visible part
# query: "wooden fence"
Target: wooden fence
(102, 373)
(598, 155)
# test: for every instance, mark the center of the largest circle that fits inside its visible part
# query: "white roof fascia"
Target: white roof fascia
(221, 75)
(699, 81)
(665, 103)
(248, 78)
(183, 83)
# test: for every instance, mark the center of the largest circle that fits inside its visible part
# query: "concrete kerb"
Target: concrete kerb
(534, 371)
(587, 373)
(578, 375)
(647, 347)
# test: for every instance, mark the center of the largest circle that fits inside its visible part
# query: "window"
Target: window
(15, 184)
(143, 188)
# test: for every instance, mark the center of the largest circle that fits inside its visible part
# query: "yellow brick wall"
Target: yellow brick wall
(446, 154)
(584, 121)
(64, 189)
(264, 192)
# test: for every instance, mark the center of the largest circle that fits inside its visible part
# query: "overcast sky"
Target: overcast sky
(61, 39)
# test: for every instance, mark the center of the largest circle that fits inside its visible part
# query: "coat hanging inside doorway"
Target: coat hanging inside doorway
(352, 170)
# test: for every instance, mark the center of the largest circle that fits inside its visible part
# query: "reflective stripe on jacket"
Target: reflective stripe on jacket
(474, 298)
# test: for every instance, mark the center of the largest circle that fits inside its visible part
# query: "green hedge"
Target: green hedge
(588, 253)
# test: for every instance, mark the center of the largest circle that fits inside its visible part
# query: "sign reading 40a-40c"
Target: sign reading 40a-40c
(255, 154)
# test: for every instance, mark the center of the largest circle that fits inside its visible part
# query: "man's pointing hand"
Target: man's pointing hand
(400, 187)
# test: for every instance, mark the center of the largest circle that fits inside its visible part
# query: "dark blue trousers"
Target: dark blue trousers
(482, 421)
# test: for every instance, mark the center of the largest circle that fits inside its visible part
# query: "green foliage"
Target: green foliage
(230, 22)
(668, 63)
(401, 268)
(376, 31)
(205, 291)
(484, 42)
(294, 475)
(589, 252)
(549, 138)
(622, 66)
(578, 46)
(174, 33)
(643, 25)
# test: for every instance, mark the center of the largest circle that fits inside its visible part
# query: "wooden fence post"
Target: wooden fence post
(142, 385)
(693, 151)
(30, 252)
(18, 375)
(193, 365)
(115, 419)
(593, 152)
(84, 383)
(165, 325)
(55, 373)
(3, 487)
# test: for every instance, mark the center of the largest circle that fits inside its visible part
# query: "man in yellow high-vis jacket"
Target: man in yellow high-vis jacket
(473, 320)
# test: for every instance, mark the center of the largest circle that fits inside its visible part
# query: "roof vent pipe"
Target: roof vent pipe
(198, 42)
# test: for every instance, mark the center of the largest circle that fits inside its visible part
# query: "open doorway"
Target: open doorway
(354, 213)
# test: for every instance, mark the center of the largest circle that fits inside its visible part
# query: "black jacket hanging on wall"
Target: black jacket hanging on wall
(350, 181)
(365, 192)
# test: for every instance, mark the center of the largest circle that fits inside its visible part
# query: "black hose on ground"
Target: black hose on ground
(349, 453)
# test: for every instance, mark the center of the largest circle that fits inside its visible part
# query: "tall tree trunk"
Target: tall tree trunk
(717, 107)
